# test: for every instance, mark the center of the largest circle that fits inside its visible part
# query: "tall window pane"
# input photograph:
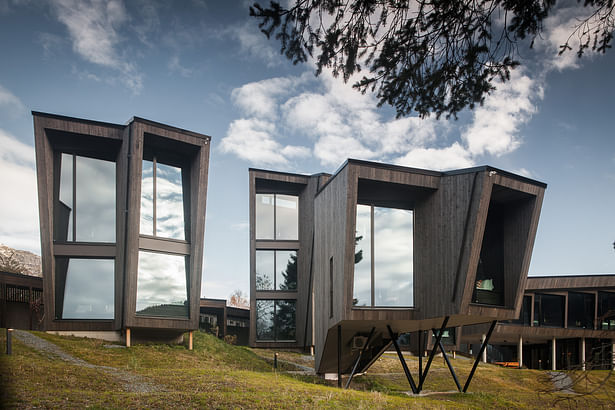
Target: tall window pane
(65, 213)
(169, 202)
(264, 270)
(161, 285)
(147, 198)
(581, 309)
(363, 258)
(264, 216)
(285, 313)
(393, 257)
(95, 200)
(264, 320)
(286, 270)
(88, 288)
(287, 217)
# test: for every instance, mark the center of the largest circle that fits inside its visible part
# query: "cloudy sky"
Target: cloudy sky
(203, 66)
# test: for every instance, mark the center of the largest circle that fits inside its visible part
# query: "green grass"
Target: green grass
(219, 375)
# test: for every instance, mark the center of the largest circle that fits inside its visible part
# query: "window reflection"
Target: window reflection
(169, 202)
(147, 198)
(287, 217)
(393, 270)
(162, 201)
(85, 210)
(276, 320)
(264, 270)
(363, 258)
(161, 285)
(264, 320)
(88, 288)
(95, 200)
(390, 274)
(264, 216)
(286, 270)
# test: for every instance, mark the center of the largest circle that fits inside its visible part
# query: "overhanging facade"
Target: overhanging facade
(122, 216)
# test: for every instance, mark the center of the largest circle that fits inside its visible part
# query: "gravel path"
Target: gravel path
(132, 382)
(562, 383)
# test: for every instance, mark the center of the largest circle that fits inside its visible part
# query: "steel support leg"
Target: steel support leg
(450, 366)
(403, 361)
(339, 355)
(433, 352)
(356, 363)
(480, 353)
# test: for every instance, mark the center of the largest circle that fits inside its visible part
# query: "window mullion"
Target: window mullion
(275, 217)
(74, 181)
(154, 166)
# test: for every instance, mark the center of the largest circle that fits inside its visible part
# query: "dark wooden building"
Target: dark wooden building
(388, 250)
(122, 215)
(565, 322)
(21, 301)
(222, 320)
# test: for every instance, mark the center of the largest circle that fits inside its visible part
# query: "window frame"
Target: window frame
(275, 271)
(275, 217)
(275, 321)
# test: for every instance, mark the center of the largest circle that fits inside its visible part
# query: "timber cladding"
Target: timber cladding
(127, 146)
(473, 236)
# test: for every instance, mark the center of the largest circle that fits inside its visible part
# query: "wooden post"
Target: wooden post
(482, 340)
(520, 352)
(127, 337)
(553, 354)
(582, 355)
(190, 341)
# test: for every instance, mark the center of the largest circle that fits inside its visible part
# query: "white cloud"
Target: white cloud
(255, 43)
(252, 139)
(496, 124)
(19, 226)
(260, 98)
(176, 67)
(441, 159)
(94, 30)
(10, 103)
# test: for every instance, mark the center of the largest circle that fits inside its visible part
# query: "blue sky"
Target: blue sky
(204, 66)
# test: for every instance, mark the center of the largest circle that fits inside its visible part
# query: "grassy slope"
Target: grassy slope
(216, 374)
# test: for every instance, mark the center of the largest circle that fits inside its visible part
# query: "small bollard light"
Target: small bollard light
(9, 341)
(275, 360)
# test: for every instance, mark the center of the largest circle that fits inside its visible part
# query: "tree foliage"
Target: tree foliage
(427, 56)
(238, 299)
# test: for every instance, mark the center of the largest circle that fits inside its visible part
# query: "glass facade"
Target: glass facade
(383, 275)
(276, 320)
(277, 217)
(85, 210)
(162, 285)
(549, 310)
(88, 288)
(162, 201)
(581, 309)
(526, 312)
(606, 310)
(276, 270)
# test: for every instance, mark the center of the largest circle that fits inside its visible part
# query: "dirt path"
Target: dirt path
(132, 382)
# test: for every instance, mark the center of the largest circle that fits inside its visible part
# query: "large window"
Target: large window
(581, 309)
(548, 310)
(85, 208)
(383, 272)
(162, 285)
(606, 310)
(277, 217)
(526, 312)
(162, 201)
(275, 320)
(276, 270)
(84, 288)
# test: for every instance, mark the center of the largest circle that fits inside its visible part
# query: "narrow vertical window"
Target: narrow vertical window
(331, 287)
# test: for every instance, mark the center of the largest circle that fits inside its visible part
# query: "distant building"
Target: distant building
(122, 216)
(565, 322)
(222, 320)
(21, 301)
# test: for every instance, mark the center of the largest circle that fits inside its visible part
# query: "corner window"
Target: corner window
(84, 288)
(383, 272)
(85, 206)
(162, 201)
(276, 320)
(277, 217)
(276, 270)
